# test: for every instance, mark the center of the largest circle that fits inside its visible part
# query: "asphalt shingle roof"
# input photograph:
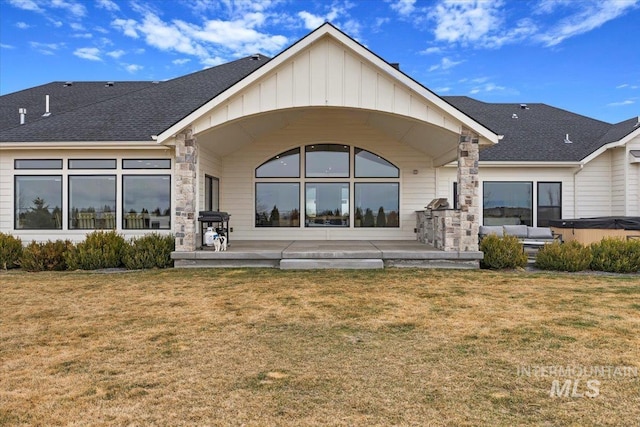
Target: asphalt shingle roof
(135, 115)
(539, 131)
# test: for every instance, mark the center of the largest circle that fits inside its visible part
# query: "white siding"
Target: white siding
(593, 188)
(238, 183)
(208, 164)
(633, 180)
(619, 165)
(7, 196)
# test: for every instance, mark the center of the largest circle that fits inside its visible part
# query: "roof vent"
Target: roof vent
(255, 57)
(514, 116)
(67, 84)
(637, 124)
(524, 107)
(108, 84)
(47, 113)
(567, 140)
(23, 114)
(395, 65)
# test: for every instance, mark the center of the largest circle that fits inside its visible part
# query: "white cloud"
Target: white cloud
(212, 62)
(181, 61)
(22, 25)
(445, 64)
(26, 5)
(46, 48)
(622, 86)
(55, 23)
(75, 9)
(83, 35)
(431, 50)
(443, 89)
(6, 46)
(115, 53)
(77, 26)
(590, 15)
(311, 21)
(487, 87)
(133, 68)
(90, 53)
(168, 37)
(467, 21)
(128, 27)
(107, 5)
(550, 6)
(621, 103)
(404, 7)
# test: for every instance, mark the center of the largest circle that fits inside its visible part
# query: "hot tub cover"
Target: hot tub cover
(604, 222)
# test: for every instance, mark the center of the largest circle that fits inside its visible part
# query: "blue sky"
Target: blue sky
(580, 55)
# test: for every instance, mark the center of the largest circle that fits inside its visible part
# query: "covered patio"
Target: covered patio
(318, 254)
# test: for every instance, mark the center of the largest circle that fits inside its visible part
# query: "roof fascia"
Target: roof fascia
(82, 145)
(611, 145)
(486, 134)
(520, 164)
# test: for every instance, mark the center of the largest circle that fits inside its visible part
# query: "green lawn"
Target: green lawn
(269, 347)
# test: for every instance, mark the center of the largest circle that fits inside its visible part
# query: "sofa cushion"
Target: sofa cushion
(539, 233)
(485, 230)
(519, 231)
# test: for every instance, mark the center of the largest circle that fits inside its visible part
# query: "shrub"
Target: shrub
(570, 256)
(10, 251)
(149, 251)
(99, 250)
(502, 252)
(49, 256)
(616, 255)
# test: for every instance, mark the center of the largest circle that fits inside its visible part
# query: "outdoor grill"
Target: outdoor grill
(218, 220)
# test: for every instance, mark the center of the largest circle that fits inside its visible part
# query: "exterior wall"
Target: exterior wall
(594, 189)
(619, 165)
(237, 183)
(633, 180)
(208, 164)
(7, 183)
(448, 175)
(328, 73)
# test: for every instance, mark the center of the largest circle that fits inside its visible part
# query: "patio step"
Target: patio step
(324, 263)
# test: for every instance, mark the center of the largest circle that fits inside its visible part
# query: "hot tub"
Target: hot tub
(590, 230)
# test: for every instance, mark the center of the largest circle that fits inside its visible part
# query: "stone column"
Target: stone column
(185, 188)
(468, 191)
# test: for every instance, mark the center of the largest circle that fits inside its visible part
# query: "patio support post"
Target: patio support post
(185, 187)
(468, 190)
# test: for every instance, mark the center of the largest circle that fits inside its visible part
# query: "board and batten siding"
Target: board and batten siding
(327, 74)
(619, 164)
(237, 180)
(446, 176)
(7, 183)
(593, 188)
(633, 179)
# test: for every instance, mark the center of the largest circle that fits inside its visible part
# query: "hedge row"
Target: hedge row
(610, 254)
(99, 250)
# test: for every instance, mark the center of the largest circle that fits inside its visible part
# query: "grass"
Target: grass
(268, 347)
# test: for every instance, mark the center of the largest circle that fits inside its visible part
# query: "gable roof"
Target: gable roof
(537, 132)
(146, 109)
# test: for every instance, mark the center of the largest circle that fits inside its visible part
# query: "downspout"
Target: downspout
(575, 190)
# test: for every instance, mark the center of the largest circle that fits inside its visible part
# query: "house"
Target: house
(325, 141)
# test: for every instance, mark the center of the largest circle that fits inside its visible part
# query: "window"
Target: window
(549, 202)
(376, 205)
(92, 202)
(146, 164)
(146, 201)
(369, 165)
(327, 205)
(92, 163)
(455, 196)
(277, 204)
(211, 193)
(284, 165)
(38, 202)
(327, 161)
(38, 164)
(507, 203)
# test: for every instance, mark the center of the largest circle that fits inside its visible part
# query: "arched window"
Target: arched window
(332, 191)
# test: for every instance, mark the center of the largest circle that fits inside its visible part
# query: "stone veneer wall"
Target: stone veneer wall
(456, 230)
(185, 187)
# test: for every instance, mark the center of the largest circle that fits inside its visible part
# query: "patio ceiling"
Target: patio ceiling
(438, 143)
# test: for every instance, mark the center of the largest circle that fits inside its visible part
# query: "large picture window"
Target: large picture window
(38, 202)
(549, 202)
(327, 205)
(92, 202)
(146, 201)
(507, 203)
(284, 165)
(277, 204)
(327, 161)
(376, 205)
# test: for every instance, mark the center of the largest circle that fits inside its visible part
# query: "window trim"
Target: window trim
(122, 196)
(255, 208)
(209, 207)
(69, 167)
(348, 153)
(484, 218)
(272, 158)
(69, 209)
(124, 160)
(355, 170)
(349, 215)
(355, 184)
(538, 205)
(16, 167)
